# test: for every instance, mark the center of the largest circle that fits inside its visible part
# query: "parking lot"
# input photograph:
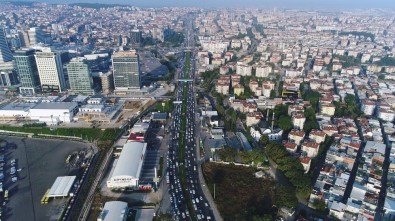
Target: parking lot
(37, 163)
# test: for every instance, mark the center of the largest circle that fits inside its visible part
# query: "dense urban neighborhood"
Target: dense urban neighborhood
(116, 112)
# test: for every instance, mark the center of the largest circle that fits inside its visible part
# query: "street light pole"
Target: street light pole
(214, 190)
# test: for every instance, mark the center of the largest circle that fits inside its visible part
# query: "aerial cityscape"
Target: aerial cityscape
(189, 111)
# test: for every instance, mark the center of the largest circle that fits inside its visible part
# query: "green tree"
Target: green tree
(264, 140)
(272, 94)
(319, 205)
(285, 123)
(286, 197)
(382, 77)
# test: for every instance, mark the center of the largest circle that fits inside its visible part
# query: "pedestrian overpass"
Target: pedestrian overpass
(185, 80)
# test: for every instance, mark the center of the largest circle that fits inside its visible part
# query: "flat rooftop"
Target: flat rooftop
(55, 105)
(61, 186)
(18, 106)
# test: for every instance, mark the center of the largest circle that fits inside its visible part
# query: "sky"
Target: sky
(319, 4)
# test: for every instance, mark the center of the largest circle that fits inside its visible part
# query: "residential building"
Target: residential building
(368, 107)
(253, 118)
(298, 121)
(328, 109)
(297, 136)
(317, 135)
(306, 162)
(311, 148)
(238, 89)
(263, 71)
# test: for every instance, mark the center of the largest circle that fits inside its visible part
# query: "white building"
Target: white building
(386, 114)
(54, 113)
(255, 134)
(368, 107)
(263, 71)
(114, 211)
(50, 70)
(244, 70)
(298, 121)
(15, 111)
(126, 170)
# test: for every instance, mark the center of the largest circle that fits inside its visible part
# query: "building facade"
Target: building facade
(126, 71)
(50, 70)
(80, 77)
(27, 71)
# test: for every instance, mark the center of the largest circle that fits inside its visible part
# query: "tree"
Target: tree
(382, 77)
(272, 94)
(386, 61)
(227, 154)
(264, 140)
(285, 197)
(319, 205)
(285, 123)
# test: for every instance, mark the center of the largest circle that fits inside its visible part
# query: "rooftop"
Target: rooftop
(56, 105)
(113, 211)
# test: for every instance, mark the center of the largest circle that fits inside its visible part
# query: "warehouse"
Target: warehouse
(54, 113)
(114, 211)
(15, 111)
(126, 169)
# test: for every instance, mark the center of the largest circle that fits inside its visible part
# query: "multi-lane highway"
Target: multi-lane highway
(186, 196)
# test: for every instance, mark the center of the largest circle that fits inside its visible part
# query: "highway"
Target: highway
(186, 196)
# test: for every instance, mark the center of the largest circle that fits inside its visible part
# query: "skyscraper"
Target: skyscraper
(5, 52)
(50, 70)
(136, 36)
(27, 71)
(35, 36)
(80, 76)
(126, 70)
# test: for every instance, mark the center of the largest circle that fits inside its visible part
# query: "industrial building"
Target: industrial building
(114, 211)
(15, 111)
(127, 168)
(61, 187)
(54, 113)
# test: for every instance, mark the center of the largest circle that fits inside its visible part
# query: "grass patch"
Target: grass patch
(84, 133)
(239, 194)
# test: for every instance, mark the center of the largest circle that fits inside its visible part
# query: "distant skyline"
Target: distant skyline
(319, 4)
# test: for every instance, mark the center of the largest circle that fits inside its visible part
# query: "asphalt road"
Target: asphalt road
(188, 163)
(41, 162)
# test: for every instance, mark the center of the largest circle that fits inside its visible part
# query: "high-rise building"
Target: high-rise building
(126, 70)
(35, 36)
(27, 71)
(5, 52)
(107, 82)
(135, 36)
(80, 76)
(23, 39)
(50, 70)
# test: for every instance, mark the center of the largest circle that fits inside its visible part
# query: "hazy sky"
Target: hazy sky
(332, 4)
